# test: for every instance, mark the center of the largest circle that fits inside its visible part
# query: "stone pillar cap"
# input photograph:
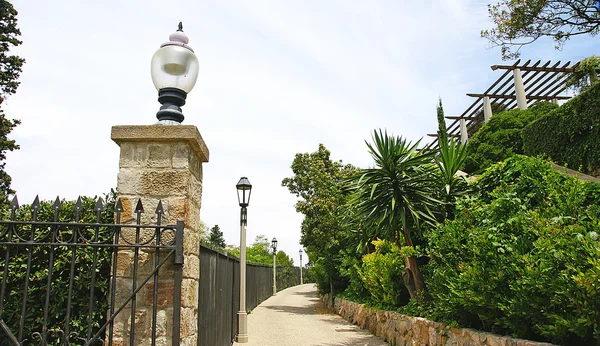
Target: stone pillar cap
(161, 133)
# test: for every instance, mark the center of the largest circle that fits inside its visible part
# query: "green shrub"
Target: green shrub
(381, 274)
(501, 137)
(522, 257)
(569, 135)
(61, 272)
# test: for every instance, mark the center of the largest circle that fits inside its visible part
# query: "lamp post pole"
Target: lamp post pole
(274, 246)
(301, 281)
(243, 186)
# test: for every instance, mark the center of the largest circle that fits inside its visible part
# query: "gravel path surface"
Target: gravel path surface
(297, 317)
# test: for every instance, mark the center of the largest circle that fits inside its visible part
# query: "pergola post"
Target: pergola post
(464, 135)
(487, 109)
(519, 89)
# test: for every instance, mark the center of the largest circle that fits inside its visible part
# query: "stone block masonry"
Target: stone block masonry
(402, 330)
(160, 163)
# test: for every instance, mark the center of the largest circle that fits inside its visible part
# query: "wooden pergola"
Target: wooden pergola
(520, 86)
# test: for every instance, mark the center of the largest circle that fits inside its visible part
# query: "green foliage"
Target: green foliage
(10, 69)
(585, 74)
(381, 274)
(397, 190)
(521, 256)
(318, 182)
(451, 158)
(442, 130)
(61, 271)
(501, 137)
(260, 251)
(215, 237)
(570, 135)
(522, 22)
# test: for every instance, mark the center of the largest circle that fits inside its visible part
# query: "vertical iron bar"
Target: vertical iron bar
(34, 209)
(11, 228)
(53, 230)
(159, 212)
(98, 209)
(135, 269)
(72, 271)
(113, 285)
(178, 267)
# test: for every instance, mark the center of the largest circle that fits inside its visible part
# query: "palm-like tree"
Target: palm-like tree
(397, 192)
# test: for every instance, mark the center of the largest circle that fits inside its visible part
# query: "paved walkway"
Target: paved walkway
(297, 317)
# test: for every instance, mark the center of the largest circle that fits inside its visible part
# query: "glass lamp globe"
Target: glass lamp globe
(174, 71)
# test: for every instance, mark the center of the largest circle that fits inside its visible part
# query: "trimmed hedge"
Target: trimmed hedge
(501, 137)
(569, 135)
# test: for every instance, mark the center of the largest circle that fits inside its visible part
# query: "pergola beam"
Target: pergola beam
(533, 68)
(531, 97)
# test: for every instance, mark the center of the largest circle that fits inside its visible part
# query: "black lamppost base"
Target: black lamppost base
(171, 99)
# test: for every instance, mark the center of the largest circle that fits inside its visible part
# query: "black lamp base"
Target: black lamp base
(171, 99)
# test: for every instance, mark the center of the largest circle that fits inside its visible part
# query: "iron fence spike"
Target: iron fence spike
(159, 208)
(36, 203)
(57, 205)
(139, 208)
(78, 204)
(119, 206)
(14, 204)
(99, 204)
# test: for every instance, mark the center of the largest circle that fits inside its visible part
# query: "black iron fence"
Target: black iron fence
(219, 292)
(58, 284)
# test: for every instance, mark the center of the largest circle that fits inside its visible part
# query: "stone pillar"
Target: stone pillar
(519, 89)
(464, 135)
(160, 163)
(487, 109)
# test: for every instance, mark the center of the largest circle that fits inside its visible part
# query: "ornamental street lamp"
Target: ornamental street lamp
(174, 70)
(301, 281)
(274, 247)
(244, 188)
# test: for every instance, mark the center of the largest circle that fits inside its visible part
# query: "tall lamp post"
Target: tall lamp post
(274, 247)
(174, 70)
(301, 281)
(244, 188)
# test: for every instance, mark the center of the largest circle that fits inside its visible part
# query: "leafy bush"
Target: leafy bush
(61, 273)
(501, 136)
(569, 135)
(381, 273)
(522, 256)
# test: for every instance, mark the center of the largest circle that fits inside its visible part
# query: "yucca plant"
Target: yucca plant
(397, 192)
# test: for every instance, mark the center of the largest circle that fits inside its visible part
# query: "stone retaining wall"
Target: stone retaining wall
(402, 330)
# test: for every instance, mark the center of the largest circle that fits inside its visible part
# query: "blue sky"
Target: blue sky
(276, 78)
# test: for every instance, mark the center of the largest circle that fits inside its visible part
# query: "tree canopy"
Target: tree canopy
(522, 22)
(215, 238)
(10, 69)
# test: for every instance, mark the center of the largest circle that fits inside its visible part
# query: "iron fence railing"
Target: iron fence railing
(59, 279)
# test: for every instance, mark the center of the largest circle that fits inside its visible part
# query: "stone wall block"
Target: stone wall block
(166, 288)
(176, 209)
(181, 155)
(132, 155)
(128, 181)
(189, 293)
(188, 329)
(124, 263)
(191, 267)
(191, 243)
(159, 156)
(164, 182)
